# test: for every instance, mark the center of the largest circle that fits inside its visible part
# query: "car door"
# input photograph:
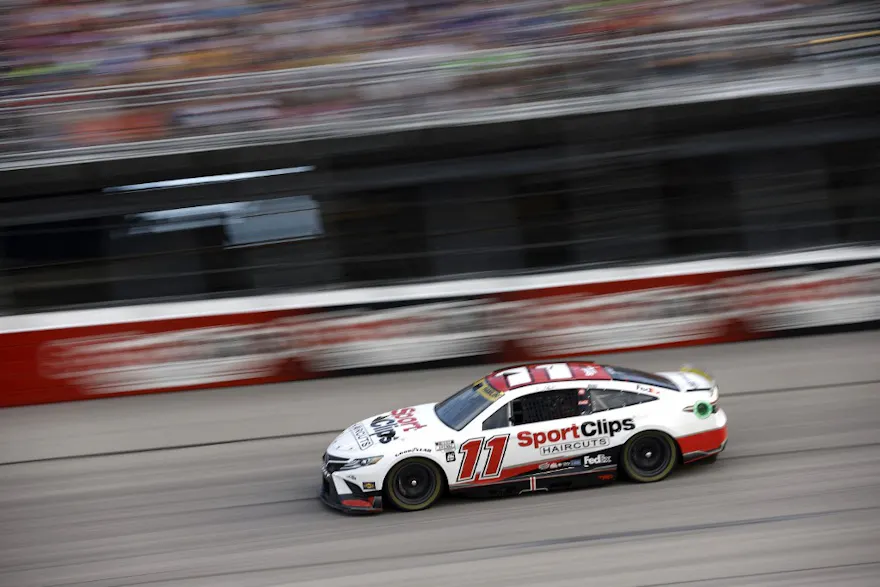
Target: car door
(564, 431)
(504, 448)
(612, 415)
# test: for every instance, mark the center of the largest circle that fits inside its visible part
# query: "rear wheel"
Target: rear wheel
(649, 456)
(414, 484)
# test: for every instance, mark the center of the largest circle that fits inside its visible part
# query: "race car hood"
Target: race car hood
(405, 426)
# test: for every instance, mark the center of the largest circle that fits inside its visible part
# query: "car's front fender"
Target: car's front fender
(438, 458)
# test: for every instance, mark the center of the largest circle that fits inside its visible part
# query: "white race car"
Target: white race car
(527, 428)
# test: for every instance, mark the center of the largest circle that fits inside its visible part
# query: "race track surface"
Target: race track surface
(794, 501)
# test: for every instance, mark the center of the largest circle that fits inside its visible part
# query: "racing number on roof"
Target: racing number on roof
(557, 371)
(554, 371)
(516, 376)
(471, 451)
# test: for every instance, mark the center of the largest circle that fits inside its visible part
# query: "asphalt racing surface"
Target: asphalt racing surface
(167, 490)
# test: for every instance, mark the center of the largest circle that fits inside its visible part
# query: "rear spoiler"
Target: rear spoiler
(709, 378)
(702, 408)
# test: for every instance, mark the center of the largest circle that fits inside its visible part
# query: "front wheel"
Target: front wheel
(649, 456)
(414, 484)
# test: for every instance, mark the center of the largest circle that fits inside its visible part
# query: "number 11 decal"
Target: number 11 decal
(471, 450)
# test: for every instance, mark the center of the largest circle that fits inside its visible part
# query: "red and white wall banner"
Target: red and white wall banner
(101, 353)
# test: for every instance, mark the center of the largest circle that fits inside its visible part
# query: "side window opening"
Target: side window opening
(500, 419)
(602, 400)
(545, 406)
(585, 403)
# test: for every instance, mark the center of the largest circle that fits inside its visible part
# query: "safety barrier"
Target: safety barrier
(65, 356)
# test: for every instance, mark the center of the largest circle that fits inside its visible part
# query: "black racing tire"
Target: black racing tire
(649, 456)
(414, 484)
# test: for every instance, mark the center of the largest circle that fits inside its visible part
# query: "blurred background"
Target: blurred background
(415, 140)
(55, 45)
(207, 193)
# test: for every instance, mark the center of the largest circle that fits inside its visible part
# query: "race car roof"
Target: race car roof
(510, 378)
(637, 376)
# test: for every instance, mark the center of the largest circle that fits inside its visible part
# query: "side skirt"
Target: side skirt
(539, 483)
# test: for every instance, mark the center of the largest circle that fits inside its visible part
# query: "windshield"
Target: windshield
(459, 409)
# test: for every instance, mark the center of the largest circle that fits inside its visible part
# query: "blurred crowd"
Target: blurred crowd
(74, 45)
(69, 44)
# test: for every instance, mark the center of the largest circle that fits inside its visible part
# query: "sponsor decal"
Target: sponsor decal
(599, 459)
(413, 450)
(588, 429)
(590, 434)
(385, 427)
(406, 419)
(369, 485)
(606, 477)
(560, 465)
(578, 445)
(443, 445)
(483, 388)
(450, 457)
(583, 397)
(362, 436)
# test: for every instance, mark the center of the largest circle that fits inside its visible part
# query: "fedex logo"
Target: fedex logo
(574, 432)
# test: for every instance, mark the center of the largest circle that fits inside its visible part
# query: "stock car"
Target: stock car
(527, 428)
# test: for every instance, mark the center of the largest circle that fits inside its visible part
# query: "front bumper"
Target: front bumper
(356, 502)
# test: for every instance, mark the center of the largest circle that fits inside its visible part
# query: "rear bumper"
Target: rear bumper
(703, 444)
(350, 503)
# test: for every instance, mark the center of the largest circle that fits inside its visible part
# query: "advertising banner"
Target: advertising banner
(144, 357)
(239, 349)
(804, 299)
(516, 325)
(620, 316)
(363, 336)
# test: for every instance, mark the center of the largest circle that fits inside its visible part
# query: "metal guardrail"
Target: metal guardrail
(343, 100)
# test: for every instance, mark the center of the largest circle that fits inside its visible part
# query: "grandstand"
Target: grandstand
(57, 45)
